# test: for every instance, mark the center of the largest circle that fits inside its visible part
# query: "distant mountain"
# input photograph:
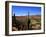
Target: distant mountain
(22, 18)
(35, 15)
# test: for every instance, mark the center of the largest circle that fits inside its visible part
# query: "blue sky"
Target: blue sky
(23, 10)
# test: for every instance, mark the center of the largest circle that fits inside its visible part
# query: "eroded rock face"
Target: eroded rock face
(25, 27)
(14, 29)
(20, 27)
(37, 27)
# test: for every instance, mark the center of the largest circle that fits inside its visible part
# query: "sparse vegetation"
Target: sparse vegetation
(21, 23)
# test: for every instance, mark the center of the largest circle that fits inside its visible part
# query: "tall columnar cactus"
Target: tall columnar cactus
(28, 20)
(14, 19)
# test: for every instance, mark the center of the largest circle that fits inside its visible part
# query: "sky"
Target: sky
(23, 10)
